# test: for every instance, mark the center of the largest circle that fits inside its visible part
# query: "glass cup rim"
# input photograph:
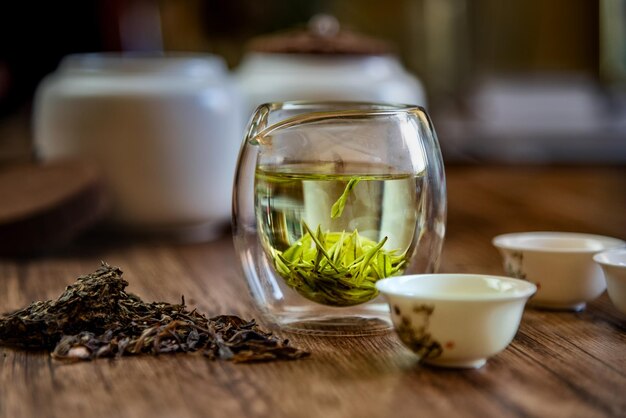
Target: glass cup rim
(346, 105)
(321, 110)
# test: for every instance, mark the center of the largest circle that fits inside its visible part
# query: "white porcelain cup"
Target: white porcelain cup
(165, 131)
(613, 264)
(456, 320)
(559, 263)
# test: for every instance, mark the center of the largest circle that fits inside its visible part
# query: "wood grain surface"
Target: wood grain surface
(46, 205)
(560, 364)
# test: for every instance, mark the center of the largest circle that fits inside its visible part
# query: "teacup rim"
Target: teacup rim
(603, 257)
(525, 289)
(608, 243)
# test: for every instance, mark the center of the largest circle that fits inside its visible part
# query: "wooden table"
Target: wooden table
(559, 365)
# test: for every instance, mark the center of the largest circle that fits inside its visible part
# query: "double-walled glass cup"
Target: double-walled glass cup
(328, 199)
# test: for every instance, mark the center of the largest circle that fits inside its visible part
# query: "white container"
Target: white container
(267, 77)
(325, 62)
(456, 320)
(164, 130)
(559, 263)
(613, 263)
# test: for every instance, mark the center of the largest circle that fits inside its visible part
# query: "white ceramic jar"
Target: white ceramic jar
(165, 130)
(270, 77)
(325, 63)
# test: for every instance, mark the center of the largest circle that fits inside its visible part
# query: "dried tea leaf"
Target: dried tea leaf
(96, 302)
(95, 317)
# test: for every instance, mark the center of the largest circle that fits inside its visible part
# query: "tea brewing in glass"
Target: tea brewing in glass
(329, 198)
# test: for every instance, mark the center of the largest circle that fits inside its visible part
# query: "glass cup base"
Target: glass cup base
(372, 321)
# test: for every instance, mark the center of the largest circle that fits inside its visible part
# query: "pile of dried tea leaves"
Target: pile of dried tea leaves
(95, 317)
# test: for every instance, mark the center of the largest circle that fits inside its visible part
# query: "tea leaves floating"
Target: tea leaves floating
(95, 317)
(336, 268)
(337, 209)
(331, 231)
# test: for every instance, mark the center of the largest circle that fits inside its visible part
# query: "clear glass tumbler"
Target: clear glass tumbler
(328, 199)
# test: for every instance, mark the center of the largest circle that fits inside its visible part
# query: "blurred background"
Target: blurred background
(541, 81)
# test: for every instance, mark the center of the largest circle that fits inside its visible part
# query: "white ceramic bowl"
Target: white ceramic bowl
(613, 263)
(456, 320)
(559, 263)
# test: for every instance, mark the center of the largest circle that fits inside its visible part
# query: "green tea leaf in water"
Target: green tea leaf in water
(336, 268)
(95, 317)
(340, 204)
(333, 252)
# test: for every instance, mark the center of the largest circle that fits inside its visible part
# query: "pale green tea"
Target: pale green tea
(332, 231)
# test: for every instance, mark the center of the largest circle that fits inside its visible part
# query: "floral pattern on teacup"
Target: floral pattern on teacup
(413, 331)
(513, 264)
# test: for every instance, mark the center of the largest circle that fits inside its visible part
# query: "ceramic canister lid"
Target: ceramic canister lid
(323, 36)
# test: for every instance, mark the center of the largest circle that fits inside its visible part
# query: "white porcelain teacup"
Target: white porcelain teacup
(559, 263)
(613, 263)
(456, 320)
